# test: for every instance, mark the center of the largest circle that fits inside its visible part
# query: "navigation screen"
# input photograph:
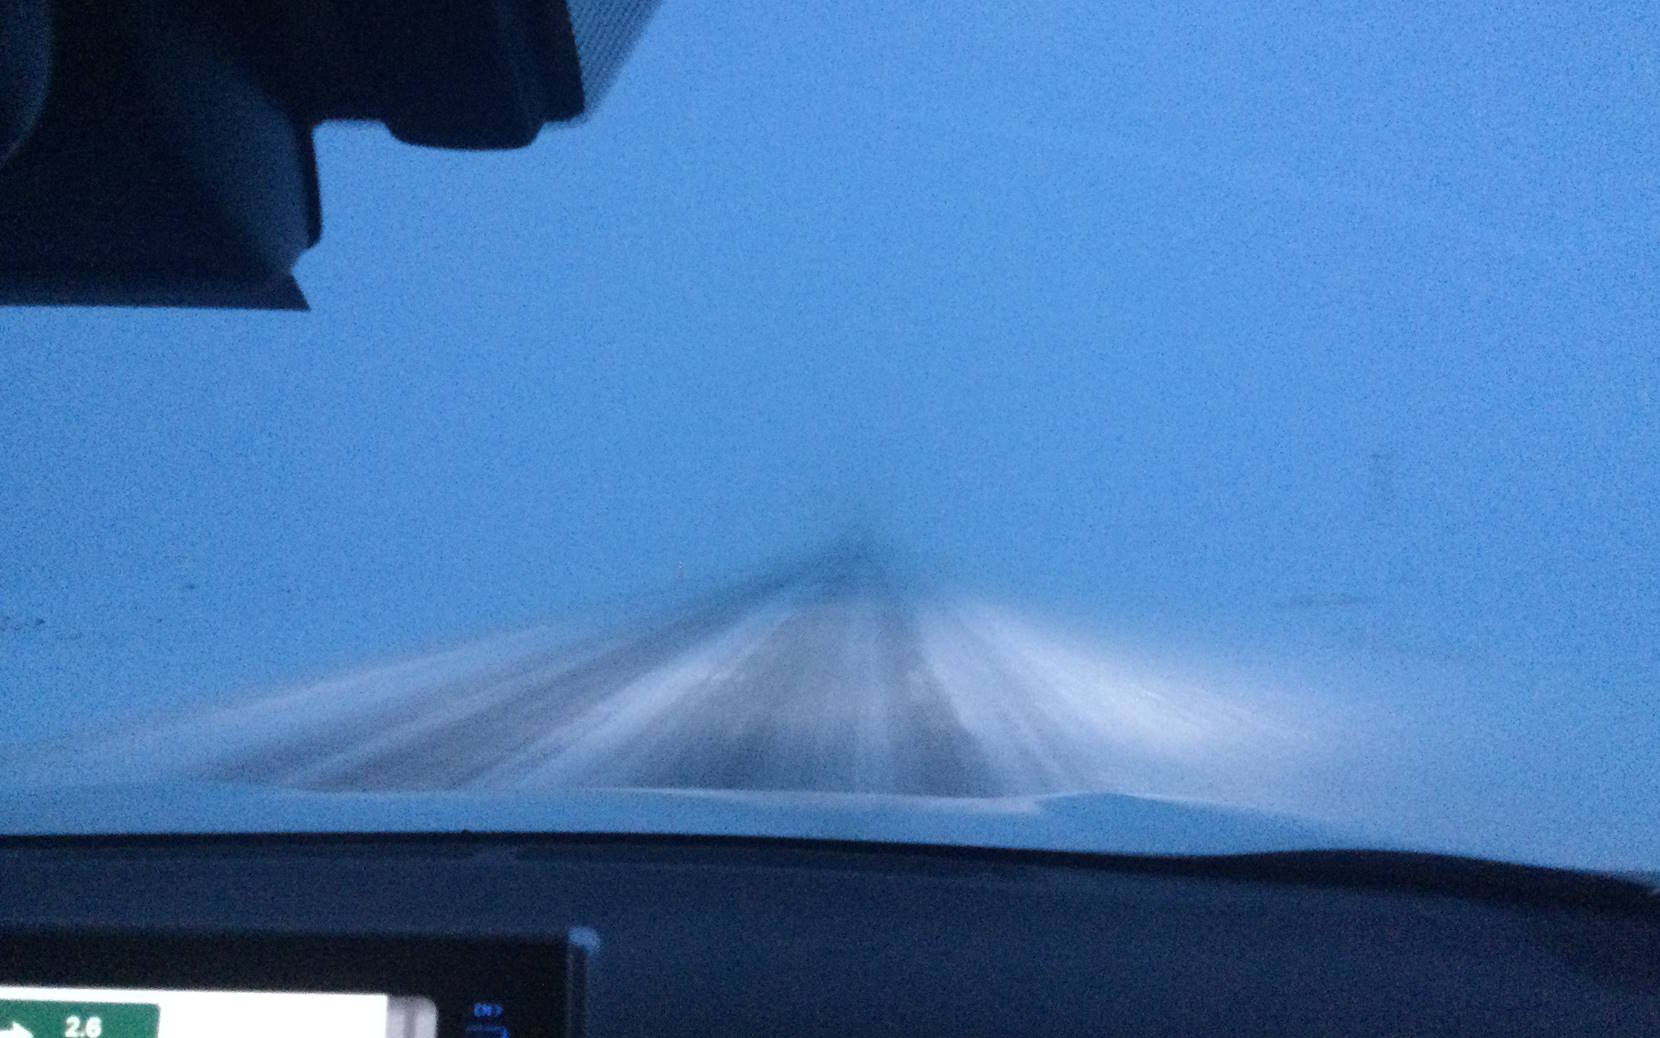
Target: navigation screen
(38, 1012)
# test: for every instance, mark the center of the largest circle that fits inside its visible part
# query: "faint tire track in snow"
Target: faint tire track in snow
(1066, 715)
(606, 744)
(468, 744)
(833, 699)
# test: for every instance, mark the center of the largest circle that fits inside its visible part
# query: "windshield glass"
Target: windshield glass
(1251, 406)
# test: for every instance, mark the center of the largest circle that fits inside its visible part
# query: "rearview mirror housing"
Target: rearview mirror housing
(158, 152)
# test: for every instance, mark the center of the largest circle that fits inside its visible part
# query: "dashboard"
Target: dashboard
(557, 936)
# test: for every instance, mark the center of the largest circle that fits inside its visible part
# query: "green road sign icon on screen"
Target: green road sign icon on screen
(32, 1019)
(85, 1012)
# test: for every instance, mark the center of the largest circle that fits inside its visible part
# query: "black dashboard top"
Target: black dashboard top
(739, 936)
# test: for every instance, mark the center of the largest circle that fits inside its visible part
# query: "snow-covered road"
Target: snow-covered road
(823, 674)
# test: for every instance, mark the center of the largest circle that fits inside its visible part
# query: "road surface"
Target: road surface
(824, 674)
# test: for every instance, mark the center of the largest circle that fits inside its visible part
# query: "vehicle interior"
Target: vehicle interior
(159, 154)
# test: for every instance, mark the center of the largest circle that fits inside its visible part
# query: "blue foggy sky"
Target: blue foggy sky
(1323, 335)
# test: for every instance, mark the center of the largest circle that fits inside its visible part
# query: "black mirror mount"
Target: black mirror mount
(165, 155)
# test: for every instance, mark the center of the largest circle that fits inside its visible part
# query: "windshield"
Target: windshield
(1251, 406)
